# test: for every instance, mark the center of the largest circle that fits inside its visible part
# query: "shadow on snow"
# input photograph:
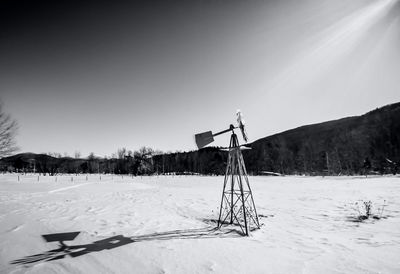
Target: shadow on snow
(116, 241)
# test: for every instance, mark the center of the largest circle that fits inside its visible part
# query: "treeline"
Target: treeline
(145, 161)
(354, 145)
(123, 162)
(209, 160)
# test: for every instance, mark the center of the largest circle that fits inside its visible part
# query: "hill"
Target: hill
(352, 145)
(339, 146)
(41, 163)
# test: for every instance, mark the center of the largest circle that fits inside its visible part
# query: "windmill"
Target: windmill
(237, 203)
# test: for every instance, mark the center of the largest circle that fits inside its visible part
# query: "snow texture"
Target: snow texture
(166, 224)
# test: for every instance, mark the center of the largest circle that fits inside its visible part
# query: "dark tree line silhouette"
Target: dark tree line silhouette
(331, 148)
(355, 145)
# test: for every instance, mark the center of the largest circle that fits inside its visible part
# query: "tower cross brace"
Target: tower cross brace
(237, 203)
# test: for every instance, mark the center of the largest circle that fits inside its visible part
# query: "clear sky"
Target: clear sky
(93, 76)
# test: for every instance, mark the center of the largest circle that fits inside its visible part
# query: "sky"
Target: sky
(92, 76)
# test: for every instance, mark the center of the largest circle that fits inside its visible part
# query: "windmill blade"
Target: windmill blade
(240, 121)
(203, 139)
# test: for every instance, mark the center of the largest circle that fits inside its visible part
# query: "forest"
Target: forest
(353, 145)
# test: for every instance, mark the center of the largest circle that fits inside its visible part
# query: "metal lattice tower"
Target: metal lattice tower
(237, 203)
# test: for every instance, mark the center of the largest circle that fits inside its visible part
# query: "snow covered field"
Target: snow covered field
(166, 225)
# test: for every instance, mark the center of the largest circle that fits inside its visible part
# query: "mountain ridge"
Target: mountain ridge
(349, 141)
(340, 146)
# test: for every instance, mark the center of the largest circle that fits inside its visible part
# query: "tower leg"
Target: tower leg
(223, 192)
(237, 203)
(243, 202)
(233, 169)
(253, 216)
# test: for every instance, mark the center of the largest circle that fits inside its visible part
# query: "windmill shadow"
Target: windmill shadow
(116, 241)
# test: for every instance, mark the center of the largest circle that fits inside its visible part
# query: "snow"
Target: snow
(167, 225)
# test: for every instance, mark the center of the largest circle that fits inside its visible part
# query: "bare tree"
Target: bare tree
(91, 156)
(121, 153)
(144, 159)
(77, 154)
(54, 154)
(93, 163)
(8, 130)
